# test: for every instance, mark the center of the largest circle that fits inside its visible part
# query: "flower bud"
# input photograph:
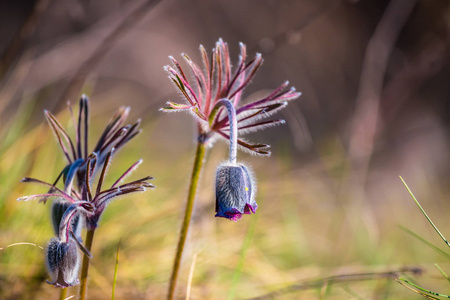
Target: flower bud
(63, 262)
(235, 191)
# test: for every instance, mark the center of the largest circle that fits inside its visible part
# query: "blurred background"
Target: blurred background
(374, 77)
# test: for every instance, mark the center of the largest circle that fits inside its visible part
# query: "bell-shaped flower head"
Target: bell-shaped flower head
(235, 191)
(63, 263)
(63, 259)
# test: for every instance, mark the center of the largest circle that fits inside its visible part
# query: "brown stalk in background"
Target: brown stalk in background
(75, 84)
(337, 279)
(15, 47)
(365, 122)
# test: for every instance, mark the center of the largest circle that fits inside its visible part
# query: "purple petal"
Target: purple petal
(232, 215)
(249, 208)
(58, 131)
(177, 65)
(261, 149)
(114, 124)
(127, 172)
(261, 125)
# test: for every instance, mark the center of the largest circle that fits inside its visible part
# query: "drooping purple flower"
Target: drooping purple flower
(215, 81)
(213, 98)
(63, 259)
(235, 188)
(235, 191)
(63, 263)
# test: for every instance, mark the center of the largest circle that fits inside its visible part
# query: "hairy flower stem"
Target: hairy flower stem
(199, 156)
(63, 294)
(233, 126)
(85, 265)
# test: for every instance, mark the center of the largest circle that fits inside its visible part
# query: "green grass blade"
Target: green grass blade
(245, 245)
(17, 123)
(429, 244)
(352, 292)
(442, 272)
(424, 213)
(115, 272)
(422, 289)
(324, 290)
(414, 290)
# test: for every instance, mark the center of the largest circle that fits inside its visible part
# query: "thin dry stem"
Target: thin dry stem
(319, 283)
(191, 275)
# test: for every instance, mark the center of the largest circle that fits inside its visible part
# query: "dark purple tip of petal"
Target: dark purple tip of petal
(233, 214)
(250, 208)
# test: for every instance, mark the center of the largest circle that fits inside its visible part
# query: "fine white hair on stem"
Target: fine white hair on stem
(233, 127)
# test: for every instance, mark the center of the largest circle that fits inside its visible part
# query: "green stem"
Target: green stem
(63, 294)
(115, 273)
(85, 266)
(199, 156)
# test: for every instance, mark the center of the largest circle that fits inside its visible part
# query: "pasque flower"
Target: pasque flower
(79, 201)
(62, 253)
(211, 97)
(63, 259)
(218, 81)
(235, 188)
(215, 102)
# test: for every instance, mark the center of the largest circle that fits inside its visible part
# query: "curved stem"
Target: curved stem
(232, 123)
(65, 224)
(85, 265)
(199, 156)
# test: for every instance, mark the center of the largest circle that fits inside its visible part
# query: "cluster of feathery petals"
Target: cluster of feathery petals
(218, 81)
(99, 198)
(115, 135)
